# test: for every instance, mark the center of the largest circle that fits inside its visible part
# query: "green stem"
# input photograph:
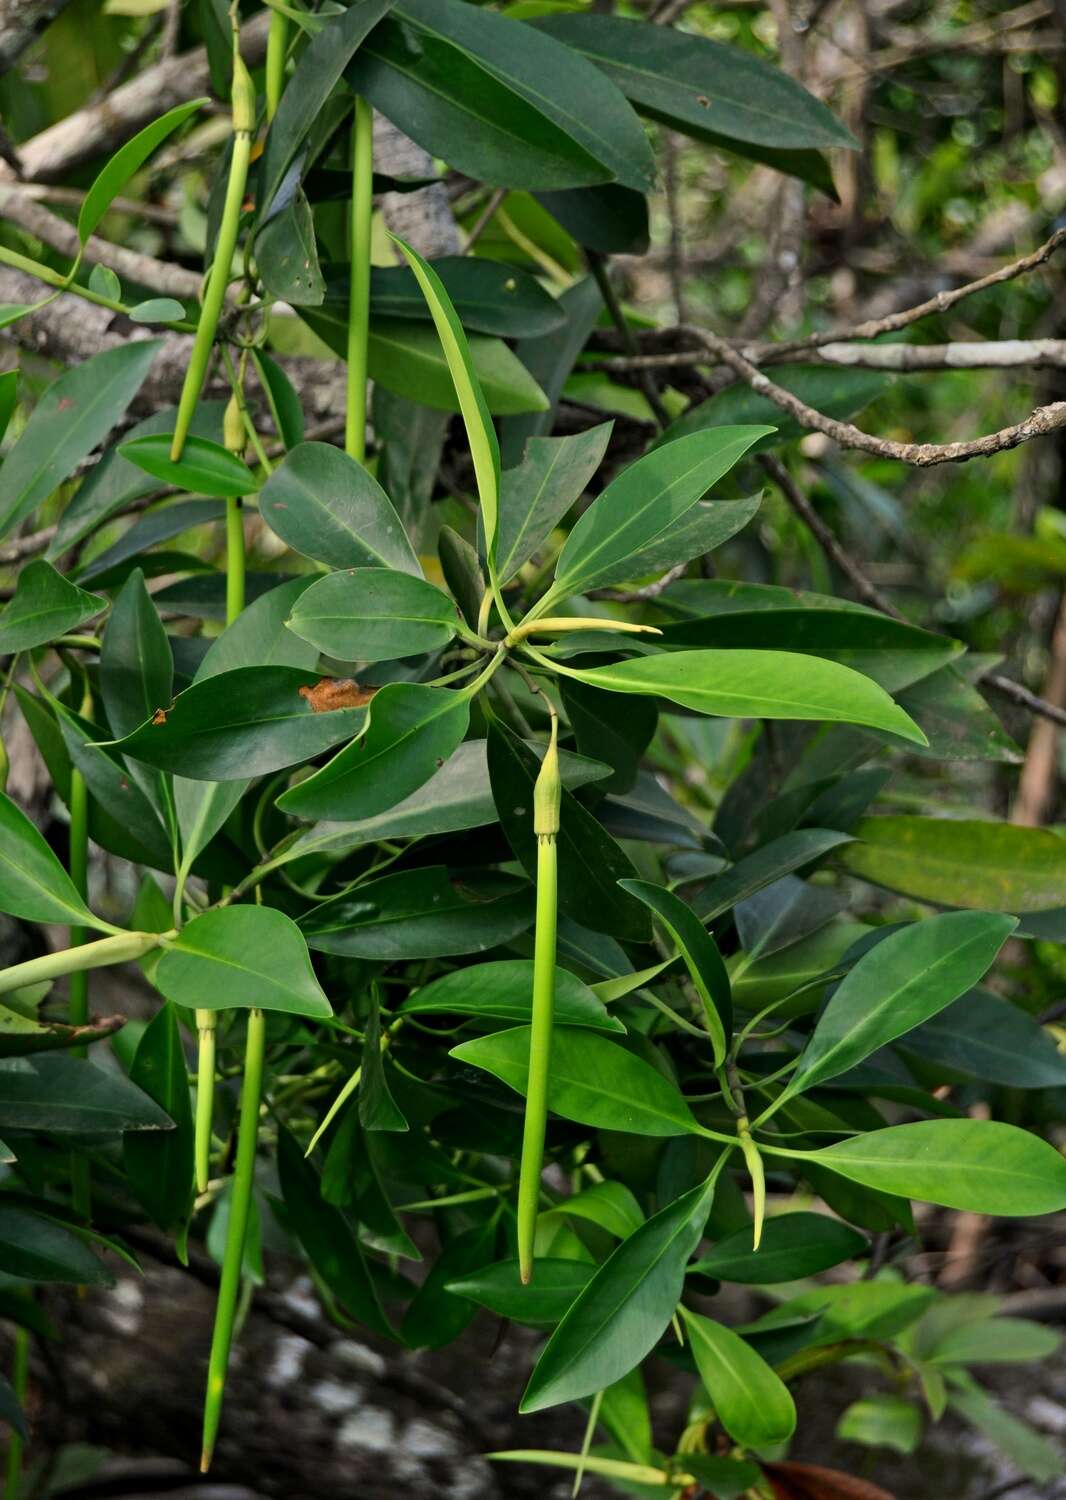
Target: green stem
(547, 794)
(206, 1022)
(240, 1207)
(234, 557)
(277, 46)
(20, 1370)
(219, 275)
(111, 950)
(359, 279)
(64, 284)
(78, 1009)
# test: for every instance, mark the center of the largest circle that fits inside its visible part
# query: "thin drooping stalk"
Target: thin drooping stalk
(359, 280)
(207, 1020)
(547, 798)
(20, 1369)
(78, 1005)
(277, 45)
(243, 100)
(236, 1232)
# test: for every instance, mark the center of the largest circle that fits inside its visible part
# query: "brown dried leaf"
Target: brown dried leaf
(329, 693)
(812, 1482)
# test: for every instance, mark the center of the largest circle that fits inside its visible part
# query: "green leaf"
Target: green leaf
(317, 73)
(117, 792)
(607, 217)
(503, 991)
(725, 1478)
(247, 956)
(987, 1037)
(906, 978)
(286, 255)
(705, 526)
(136, 663)
(332, 1248)
(157, 525)
(620, 1315)
(555, 1285)
(961, 862)
(641, 503)
(325, 505)
(105, 283)
(995, 1341)
(792, 1246)
(979, 1166)
(612, 728)
(758, 685)
(436, 1316)
(535, 496)
(590, 863)
(413, 730)
(488, 296)
(702, 959)
(76, 413)
(611, 1205)
(593, 1080)
(1026, 1448)
(882, 1421)
(60, 1095)
(374, 614)
(420, 914)
(499, 101)
(836, 392)
(157, 310)
(548, 361)
(160, 1167)
(248, 722)
(126, 162)
(698, 86)
(33, 884)
(377, 1108)
(480, 433)
(792, 851)
(285, 406)
(45, 605)
(625, 1475)
(205, 468)
(752, 1403)
(37, 1247)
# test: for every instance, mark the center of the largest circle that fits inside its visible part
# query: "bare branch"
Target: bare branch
(995, 354)
(21, 22)
(26, 546)
(922, 455)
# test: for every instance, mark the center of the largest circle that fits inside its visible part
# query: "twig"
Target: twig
(922, 455)
(649, 591)
(27, 546)
(598, 267)
(483, 220)
(995, 354)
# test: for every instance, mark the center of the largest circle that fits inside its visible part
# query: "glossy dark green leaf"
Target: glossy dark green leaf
(287, 255)
(131, 801)
(45, 605)
(610, 728)
(692, 83)
(752, 1403)
(707, 525)
(157, 310)
(247, 956)
(784, 912)
(317, 73)
(205, 468)
(503, 991)
(956, 720)
(488, 296)
(325, 505)
(758, 685)
(611, 1205)
(535, 495)
(76, 413)
(908, 977)
(420, 914)
(247, 722)
(160, 1166)
(461, 566)
(33, 884)
(373, 614)
(378, 1110)
(555, 1285)
(593, 1080)
(8, 397)
(285, 406)
(700, 953)
(979, 1166)
(784, 855)
(126, 162)
(641, 503)
(590, 863)
(620, 1315)
(437, 1315)
(838, 393)
(413, 730)
(986, 1037)
(792, 1246)
(136, 662)
(156, 526)
(38, 1247)
(961, 862)
(607, 218)
(62, 1095)
(499, 101)
(331, 1246)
